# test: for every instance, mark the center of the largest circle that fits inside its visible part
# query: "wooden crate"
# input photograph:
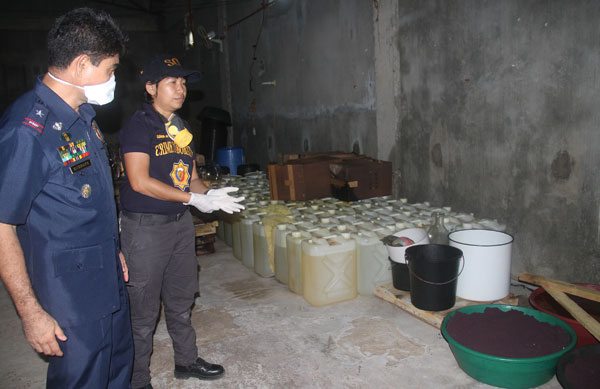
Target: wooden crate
(206, 228)
(205, 237)
(300, 179)
(339, 155)
(360, 178)
(401, 299)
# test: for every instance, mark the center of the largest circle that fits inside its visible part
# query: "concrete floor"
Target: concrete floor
(268, 337)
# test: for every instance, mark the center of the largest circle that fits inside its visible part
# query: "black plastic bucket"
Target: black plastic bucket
(433, 274)
(400, 276)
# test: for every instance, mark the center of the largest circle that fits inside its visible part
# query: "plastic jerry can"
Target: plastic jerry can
(221, 230)
(247, 239)
(373, 266)
(262, 266)
(236, 238)
(294, 258)
(227, 221)
(329, 270)
(281, 261)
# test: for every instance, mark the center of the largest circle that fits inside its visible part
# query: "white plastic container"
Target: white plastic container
(281, 261)
(262, 265)
(247, 240)
(270, 223)
(487, 260)
(236, 238)
(227, 221)
(221, 230)
(372, 264)
(329, 270)
(294, 257)
(417, 235)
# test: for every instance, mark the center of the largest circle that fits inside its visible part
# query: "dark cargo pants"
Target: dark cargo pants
(160, 254)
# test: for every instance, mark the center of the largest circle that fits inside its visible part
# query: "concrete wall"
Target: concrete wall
(498, 115)
(320, 56)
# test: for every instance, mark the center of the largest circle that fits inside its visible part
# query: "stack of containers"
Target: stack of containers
(308, 250)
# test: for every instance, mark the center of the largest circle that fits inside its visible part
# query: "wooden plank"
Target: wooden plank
(291, 182)
(401, 299)
(575, 310)
(574, 290)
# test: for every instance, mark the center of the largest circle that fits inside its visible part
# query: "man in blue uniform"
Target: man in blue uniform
(157, 232)
(58, 228)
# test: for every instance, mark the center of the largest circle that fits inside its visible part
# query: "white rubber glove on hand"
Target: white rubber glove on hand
(224, 201)
(202, 202)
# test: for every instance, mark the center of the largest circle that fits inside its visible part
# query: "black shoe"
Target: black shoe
(199, 369)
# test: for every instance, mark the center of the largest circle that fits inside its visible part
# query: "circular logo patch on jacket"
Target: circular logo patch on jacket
(180, 175)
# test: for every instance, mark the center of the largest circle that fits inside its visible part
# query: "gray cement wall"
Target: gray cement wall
(320, 56)
(498, 115)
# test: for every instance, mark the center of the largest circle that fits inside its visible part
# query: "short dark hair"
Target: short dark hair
(84, 31)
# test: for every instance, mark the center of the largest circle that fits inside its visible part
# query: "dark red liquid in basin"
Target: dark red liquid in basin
(510, 334)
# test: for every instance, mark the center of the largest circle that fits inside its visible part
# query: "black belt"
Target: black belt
(150, 219)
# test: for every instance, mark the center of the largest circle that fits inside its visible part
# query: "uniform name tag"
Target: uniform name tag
(80, 166)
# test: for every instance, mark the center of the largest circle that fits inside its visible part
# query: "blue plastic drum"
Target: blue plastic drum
(231, 157)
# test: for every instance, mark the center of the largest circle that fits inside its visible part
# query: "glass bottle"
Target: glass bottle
(438, 233)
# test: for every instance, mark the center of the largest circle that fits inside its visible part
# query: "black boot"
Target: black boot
(200, 369)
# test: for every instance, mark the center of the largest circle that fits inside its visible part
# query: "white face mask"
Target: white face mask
(98, 94)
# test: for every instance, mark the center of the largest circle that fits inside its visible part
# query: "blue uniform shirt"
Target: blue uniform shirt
(145, 133)
(56, 187)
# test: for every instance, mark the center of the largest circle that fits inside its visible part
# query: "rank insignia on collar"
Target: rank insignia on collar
(66, 136)
(86, 191)
(57, 126)
(39, 112)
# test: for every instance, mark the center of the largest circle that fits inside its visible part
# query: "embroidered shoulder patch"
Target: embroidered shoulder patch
(29, 122)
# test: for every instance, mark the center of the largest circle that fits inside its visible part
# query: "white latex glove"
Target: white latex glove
(222, 191)
(216, 199)
(224, 201)
(202, 202)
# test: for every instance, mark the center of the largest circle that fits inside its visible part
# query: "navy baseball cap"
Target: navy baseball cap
(165, 65)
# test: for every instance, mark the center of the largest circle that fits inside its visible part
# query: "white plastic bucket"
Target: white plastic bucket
(417, 235)
(487, 256)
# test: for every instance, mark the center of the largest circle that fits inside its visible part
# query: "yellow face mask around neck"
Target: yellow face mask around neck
(182, 137)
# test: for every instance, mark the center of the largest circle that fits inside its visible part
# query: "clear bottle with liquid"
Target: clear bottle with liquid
(438, 233)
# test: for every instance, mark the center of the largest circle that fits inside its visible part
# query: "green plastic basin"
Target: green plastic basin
(507, 372)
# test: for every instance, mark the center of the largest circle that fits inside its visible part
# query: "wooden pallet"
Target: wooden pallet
(401, 299)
